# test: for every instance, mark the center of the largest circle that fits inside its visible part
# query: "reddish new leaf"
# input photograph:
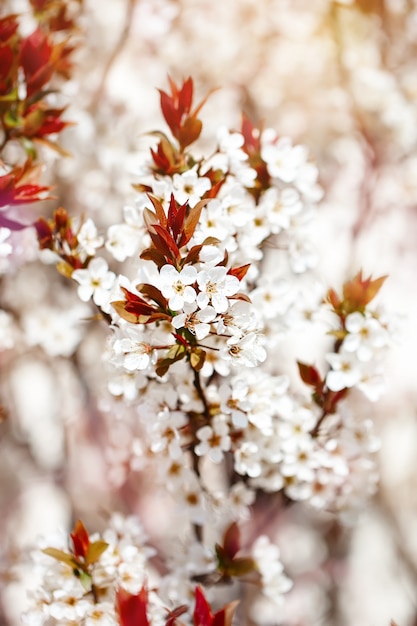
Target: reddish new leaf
(6, 64)
(176, 217)
(359, 291)
(35, 59)
(8, 27)
(19, 186)
(80, 540)
(192, 220)
(231, 540)
(310, 375)
(160, 213)
(131, 608)
(189, 131)
(239, 272)
(153, 293)
(202, 615)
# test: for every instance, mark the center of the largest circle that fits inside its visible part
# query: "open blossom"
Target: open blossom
(274, 582)
(215, 286)
(95, 282)
(132, 350)
(214, 439)
(176, 286)
(88, 238)
(197, 321)
(366, 336)
(345, 372)
(189, 187)
(247, 350)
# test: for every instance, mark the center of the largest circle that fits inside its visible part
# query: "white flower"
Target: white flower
(215, 286)
(214, 439)
(101, 614)
(190, 187)
(196, 321)
(134, 351)
(88, 238)
(282, 158)
(274, 582)
(366, 335)
(345, 372)
(57, 331)
(247, 459)
(96, 281)
(247, 350)
(239, 318)
(122, 241)
(234, 402)
(176, 285)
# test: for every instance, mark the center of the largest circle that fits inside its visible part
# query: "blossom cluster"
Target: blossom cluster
(188, 328)
(196, 288)
(112, 579)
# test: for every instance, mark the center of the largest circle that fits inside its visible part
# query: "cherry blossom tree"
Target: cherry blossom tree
(167, 320)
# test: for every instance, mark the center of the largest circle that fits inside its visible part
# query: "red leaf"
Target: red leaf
(189, 131)
(359, 291)
(231, 541)
(8, 27)
(310, 375)
(203, 615)
(132, 608)
(80, 540)
(19, 186)
(251, 136)
(44, 233)
(224, 616)
(185, 99)
(176, 217)
(168, 240)
(239, 272)
(6, 60)
(192, 220)
(35, 57)
(202, 612)
(159, 209)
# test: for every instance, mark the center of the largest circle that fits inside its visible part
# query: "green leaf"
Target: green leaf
(63, 557)
(85, 580)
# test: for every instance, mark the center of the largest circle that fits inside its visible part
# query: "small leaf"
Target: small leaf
(197, 358)
(95, 551)
(309, 375)
(131, 608)
(231, 540)
(224, 616)
(64, 268)
(80, 539)
(119, 307)
(239, 272)
(153, 293)
(193, 219)
(85, 580)
(202, 615)
(63, 557)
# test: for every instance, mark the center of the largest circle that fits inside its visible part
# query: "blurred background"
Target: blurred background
(338, 77)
